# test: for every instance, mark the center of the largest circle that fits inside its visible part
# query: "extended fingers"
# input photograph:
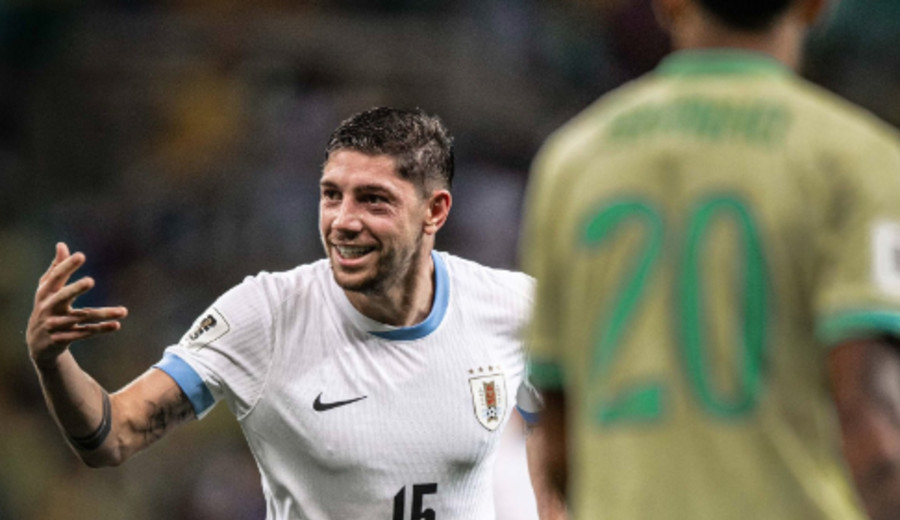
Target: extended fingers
(89, 314)
(80, 332)
(59, 274)
(64, 297)
(82, 317)
(62, 252)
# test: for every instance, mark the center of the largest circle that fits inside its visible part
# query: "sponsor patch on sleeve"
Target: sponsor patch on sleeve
(886, 256)
(209, 327)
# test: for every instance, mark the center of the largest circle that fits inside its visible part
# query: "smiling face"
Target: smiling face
(373, 222)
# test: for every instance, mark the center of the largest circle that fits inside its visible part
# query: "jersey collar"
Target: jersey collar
(718, 62)
(418, 331)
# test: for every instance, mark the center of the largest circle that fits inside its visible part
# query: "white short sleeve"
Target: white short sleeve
(227, 352)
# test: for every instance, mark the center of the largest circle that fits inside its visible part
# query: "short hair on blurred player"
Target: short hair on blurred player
(746, 14)
(420, 143)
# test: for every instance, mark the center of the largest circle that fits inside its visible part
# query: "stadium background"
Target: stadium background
(178, 144)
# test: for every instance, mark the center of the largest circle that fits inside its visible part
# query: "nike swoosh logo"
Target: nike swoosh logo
(319, 406)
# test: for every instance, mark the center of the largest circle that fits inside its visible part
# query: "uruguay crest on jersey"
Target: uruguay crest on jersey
(488, 397)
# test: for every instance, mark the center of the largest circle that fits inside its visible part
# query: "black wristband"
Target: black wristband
(92, 441)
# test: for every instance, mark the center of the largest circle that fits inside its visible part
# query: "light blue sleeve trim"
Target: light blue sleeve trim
(856, 325)
(438, 309)
(189, 382)
(530, 417)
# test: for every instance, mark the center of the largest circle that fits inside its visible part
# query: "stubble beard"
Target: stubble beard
(391, 269)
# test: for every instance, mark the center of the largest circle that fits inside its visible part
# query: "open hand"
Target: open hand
(54, 324)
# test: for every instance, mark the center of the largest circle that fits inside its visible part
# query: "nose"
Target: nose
(347, 217)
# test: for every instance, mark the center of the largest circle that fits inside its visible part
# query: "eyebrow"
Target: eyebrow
(359, 189)
(365, 189)
(372, 188)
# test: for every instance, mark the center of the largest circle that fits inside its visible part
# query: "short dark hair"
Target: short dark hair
(751, 15)
(420, 143)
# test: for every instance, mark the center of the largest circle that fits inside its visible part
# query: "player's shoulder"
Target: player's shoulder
(477, 278)
(279, 287)
(829, 133)
(580, 137)
(848, 125)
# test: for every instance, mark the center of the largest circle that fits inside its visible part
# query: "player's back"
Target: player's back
(699, 221)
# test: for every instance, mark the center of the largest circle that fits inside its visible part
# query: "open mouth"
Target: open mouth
(352, 252)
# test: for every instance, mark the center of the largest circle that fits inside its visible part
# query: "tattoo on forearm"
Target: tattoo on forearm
(162, 418)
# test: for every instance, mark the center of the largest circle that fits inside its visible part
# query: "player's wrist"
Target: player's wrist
(46, 360)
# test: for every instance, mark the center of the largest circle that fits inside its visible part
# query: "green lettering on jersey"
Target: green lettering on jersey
(692, 313)
(643, 401)
(755, 122)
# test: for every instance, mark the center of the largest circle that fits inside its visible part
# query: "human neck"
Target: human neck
(782, 41)
(407, 302)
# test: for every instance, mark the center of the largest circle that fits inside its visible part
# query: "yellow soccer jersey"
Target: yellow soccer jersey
(700, 237)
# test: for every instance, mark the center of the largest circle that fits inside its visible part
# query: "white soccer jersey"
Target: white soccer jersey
(352, 419)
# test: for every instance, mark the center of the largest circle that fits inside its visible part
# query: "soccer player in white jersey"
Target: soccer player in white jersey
(374, 383)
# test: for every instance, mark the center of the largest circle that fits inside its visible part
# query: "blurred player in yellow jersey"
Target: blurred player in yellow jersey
(717, 247)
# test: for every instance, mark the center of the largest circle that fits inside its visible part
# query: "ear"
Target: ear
(437, 211)
(669, 13)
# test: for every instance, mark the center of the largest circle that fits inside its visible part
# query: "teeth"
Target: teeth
(353, 251)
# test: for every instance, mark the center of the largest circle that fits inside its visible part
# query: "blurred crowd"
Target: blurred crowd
(178, 144)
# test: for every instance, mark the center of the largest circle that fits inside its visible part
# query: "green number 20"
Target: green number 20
(643, 401)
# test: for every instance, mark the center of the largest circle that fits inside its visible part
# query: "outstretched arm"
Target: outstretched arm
(547, 460)
(865, 378)
(103, 429)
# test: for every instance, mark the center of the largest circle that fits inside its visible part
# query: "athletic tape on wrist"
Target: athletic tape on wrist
(92, 441)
